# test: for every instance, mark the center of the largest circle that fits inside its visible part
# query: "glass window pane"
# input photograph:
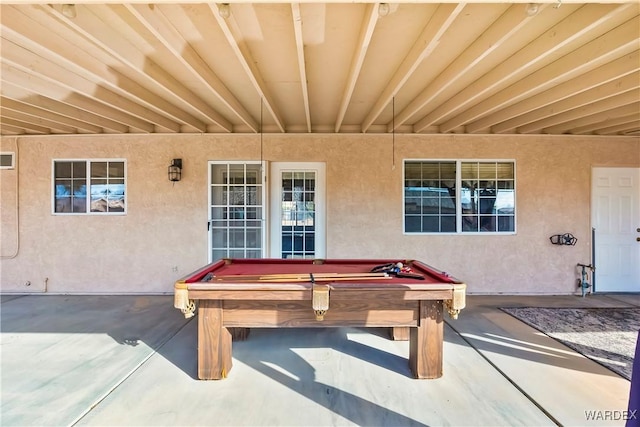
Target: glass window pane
(236, 238)
(430, 224)
(218, 195)
(254, 213)
(469, 223)
(218, 174)
(219, 238)
(219, 213)
(506, 223)
(62, 169)
(412, 224)
(99, 170)
(505, 200)
(505, 170)
(254, 195)
(487, 170)
(80, 204)
(116, 169)
(487, 223)
(448, 224)
(79, 188)
(469, 170)
(63, 204)
(413, 171)
(448, 171)
(254, 238)
(431, 171)
(80, 169)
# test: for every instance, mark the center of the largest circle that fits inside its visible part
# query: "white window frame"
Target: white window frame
(88, 183)
(459, 215)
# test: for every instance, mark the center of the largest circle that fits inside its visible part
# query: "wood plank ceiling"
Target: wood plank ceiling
(499, 68)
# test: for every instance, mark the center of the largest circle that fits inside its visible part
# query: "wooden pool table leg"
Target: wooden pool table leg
(214, 342)
(426, 341)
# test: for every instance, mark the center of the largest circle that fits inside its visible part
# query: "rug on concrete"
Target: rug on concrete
(605, 335)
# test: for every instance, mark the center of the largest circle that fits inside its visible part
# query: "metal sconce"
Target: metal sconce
(175, 170)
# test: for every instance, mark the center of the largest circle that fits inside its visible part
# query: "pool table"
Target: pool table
(233, 294)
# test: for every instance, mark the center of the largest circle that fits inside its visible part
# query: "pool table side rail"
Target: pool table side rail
(189, 289)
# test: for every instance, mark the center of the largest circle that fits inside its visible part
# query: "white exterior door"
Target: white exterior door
(616, 221)
(297, 210)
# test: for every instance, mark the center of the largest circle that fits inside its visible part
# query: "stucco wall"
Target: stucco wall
(163, 236)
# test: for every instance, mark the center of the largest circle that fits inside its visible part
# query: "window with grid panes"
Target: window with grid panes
(89, 186)
(459, 196)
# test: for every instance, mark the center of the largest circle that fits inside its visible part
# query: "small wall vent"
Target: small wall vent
(7, 160)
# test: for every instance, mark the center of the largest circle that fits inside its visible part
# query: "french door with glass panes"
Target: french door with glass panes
(236, 210)
(297, 210)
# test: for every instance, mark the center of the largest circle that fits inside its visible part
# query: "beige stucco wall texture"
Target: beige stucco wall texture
(163, 235)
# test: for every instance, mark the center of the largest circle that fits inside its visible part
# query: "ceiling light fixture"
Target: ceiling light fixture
(224, 10)
(533, 9)
(69, 10)
(384, 9)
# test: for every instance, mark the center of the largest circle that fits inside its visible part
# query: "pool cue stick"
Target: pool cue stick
(294, 276)
(320, 279)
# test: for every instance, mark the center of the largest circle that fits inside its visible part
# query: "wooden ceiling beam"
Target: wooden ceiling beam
(47, 107)
(75, 78)
(233, 35)
(155, 22)
(600, 117)
(612, 88)
(17, 114)
(619, 129)
(593, 127)
(590, 110)
(28, 127)
(297, 29)
(37, 111)
(508, 24)
(367, 28)
(606, 73)
(127, 111)
(102, 115)
(505, 75)
(119, 50)
(424, 46)
(46, 41)
(6, 129)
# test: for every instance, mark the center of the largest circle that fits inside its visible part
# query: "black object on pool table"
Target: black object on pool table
(398, 270)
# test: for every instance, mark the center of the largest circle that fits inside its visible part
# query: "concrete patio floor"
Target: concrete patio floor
(131, 360)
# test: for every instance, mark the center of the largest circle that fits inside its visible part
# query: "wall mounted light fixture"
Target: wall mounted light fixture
(175, 170)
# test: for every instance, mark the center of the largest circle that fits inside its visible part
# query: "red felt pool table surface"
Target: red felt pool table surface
(253, 267)
(235, 294)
